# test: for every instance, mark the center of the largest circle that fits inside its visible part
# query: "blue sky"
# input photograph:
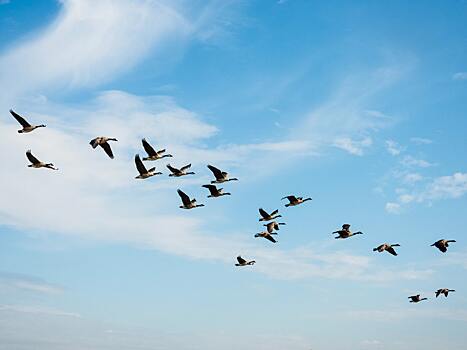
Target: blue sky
(359, 105)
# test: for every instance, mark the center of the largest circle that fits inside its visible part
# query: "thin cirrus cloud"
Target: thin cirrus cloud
(19, 282)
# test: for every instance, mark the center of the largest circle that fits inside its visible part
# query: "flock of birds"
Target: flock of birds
(272, 226)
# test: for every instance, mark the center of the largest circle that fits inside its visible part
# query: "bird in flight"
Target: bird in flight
(387, 247)
(24, 123)
(266, 235)
(187, 202)
(345, 232)
(180, 172)
(443, 244)
(143, 172)
(273, 226)
(36, 163)
(243, 262)
(221, 176)
(268, 217)
(293, 201)
(215, 192)
(416, 298)
(444, 291)
(152, 153)
(103, 142)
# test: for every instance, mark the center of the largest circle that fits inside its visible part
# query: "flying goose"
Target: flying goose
(444, 291)
(443, 244)
(387, 247)
(243, 262)
(180, 172)
(221, 176)
(416, 298)
(187, 202)
(26, 126)
(273, 225)
(345, 232)
(143, 172)
(36, 163)
(293, 201)
(152, 153)
(268, 217)
(103, 142)
(266, 235)
(215, 192)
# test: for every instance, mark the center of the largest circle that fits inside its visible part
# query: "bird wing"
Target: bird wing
(270, 238)
(31, 158)
(345, 226)
(107, 149)
(185, 199)
(270, 227)
(241, 260)
(211, 188)
(148, 148)
(94, 143)
(172, 169)
(290, 198)
(442, 248)
(140, 166)
(20, 119)
(185, 168)
(391, 251)
(275, 212)
(438, 292)
(263, 213)
(217, 173)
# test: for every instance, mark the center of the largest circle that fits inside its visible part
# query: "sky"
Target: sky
(360, 105)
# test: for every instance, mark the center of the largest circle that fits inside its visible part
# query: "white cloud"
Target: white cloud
(393, 147)
(421, 140)
(410, 161)
(459, 76)
(352, 146)
(393, 208)
(411, 178)
(451, 186)
(16, 282)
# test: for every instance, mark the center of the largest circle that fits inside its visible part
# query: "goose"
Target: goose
(103, 142)
(26, 126)
(416, 298)
(293, 201)
(266, 235)
(187, 202)
(152, 153)
(215, 192)
(36, 163)
(143, 172)
(387, 247)
(345, 232)
(243, 262)
(180, 172)
(444, 291)
(443, 244)
(268, 217)
(221, 176)
(273, 225)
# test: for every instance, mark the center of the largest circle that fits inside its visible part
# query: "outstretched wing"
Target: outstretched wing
(172, 169)
(20, 119)
(94, 143)
(345, 226)
(268, 237)
(139, 165)
(275, 212)
(391, 251)
(217, 173)
(185, 199)
(211, 188)
(263, 213)
(290, 198)
(107, 149)
(148, 148)
(185, 168)
(31, 158)
(241, 260)
(438, 292)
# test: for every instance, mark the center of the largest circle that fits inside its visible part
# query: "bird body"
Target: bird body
(180, 172)
(152, 153)
(221, 176)
(443, 244)
(265, 216)
(24, 123)
(243, 262)
(416, 298)
(293, 200)
(36, 163)
(188, 203)
(387, 247)
(267, 235)
(103, 142)
(215, 192)
(444, 291)
(345, 232)
(273, 225)
(143, 172)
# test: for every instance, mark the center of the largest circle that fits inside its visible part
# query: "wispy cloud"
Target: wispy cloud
(459, 76)
(353, 146)
(393, 147)
(421, 141)
(13, 281)
(38, 310)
